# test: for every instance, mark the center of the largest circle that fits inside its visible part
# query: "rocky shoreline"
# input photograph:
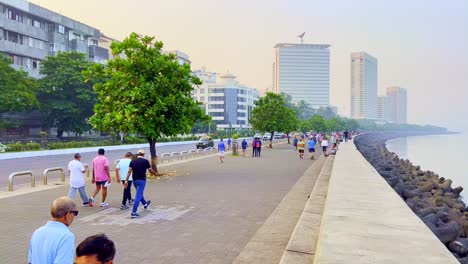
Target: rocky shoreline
(430, 196)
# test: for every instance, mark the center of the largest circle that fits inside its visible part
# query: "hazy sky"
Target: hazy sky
(421, 45)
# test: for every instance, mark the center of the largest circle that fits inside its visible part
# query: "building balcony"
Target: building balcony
(79, 46)
(98, 53)
(22, 50)
(22, 28)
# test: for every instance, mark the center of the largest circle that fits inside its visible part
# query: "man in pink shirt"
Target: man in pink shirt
(101, 176)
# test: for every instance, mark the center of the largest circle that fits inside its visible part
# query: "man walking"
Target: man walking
(295, 140)
(101, 176)
(221, 149)
(311, 144)
(137, 169)
(300, 147)
(121, 170)
(346, 135)
(77, 181)
(54, 242)
(95, 249)
(244, 147)
(229, 143)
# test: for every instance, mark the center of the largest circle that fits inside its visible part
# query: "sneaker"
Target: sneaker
(85, 205)
(135, 215)
(131, 201)
(147, 204)
(104, 204)
(123, 207)
(91, 202)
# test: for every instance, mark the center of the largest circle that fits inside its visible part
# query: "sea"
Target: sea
(442, 154)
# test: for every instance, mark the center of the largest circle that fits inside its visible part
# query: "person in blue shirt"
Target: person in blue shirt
(244, 147)
(221, 149)
(54, 242)
(311, 144)
(295, 140)
(229, 143)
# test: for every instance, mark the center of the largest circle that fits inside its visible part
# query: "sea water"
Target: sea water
(443, 154)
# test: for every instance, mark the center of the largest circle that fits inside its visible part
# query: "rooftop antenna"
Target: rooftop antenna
(301, 36)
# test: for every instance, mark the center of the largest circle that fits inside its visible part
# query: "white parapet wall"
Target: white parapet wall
(365, 221)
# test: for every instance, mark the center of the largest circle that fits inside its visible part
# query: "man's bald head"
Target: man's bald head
(61, 207)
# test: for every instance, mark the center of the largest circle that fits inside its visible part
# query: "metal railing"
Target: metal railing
(20, 173)
(48, 170)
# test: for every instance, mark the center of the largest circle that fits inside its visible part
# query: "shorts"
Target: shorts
(221, 153)
(101, 183)
(324, 148)
(301, 151)
(311, 150)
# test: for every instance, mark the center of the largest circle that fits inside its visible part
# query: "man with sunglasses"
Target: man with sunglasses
(54, 242)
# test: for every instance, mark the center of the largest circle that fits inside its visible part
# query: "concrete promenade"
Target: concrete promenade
(201, 212)
(365, 221)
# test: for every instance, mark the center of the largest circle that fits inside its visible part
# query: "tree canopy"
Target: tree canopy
(17, 89)
(271, 114)
(146, 92)
(65, 98)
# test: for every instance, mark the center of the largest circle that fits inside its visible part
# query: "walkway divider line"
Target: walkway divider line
(303, 243)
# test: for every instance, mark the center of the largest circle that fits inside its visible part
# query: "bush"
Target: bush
(14, 147)
(32, 146)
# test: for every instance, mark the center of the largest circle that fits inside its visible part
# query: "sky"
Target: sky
(421, 45)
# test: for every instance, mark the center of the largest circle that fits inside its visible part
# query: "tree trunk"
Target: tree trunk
(60, 133)
(154, 158)
(271, 139)
(287, 134)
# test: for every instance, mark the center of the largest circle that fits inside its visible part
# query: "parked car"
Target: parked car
(279, 135)
(205, 142)
(258, 135)
(266, 136)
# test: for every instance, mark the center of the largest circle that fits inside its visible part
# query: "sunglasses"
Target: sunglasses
(75, 213)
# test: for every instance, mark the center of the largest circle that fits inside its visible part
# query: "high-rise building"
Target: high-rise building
(384, 109)
(29, 33)
(398, 104)
(229, 103)
(303, 71)
(363, 86)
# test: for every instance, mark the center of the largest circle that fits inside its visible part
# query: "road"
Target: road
(202, 211)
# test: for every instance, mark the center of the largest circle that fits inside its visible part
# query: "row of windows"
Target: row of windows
(21, 17)
(24, 61)
(23, 40)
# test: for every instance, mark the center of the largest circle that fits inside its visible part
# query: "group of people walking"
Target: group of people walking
(256, 148)
(324, 140)
(131, 170)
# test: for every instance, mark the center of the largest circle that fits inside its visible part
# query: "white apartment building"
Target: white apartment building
(229, 103)
(384, 109)
(364, 102)
(398, 104)
(303, 71)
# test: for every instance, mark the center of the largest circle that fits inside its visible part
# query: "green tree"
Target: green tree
(146, 92)
(271, 114)
(332, 124)
(17, 90)
(65, 98)
(326, 112)
(317, 123)
(304, 111)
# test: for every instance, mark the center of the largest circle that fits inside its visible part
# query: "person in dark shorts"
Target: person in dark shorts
(138, 169)
(300, 147)
(325, 146)
(311, 145)
(244, 147)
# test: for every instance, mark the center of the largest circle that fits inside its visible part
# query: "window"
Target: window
(94, 42)
(216, 98)
(61, 29)
(36, 24)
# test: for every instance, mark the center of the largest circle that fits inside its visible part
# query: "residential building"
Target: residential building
(364, 100)
(303, 71)
(384, 109)
(398, 104)
(29, 33)
(182, 58)
(228, 102)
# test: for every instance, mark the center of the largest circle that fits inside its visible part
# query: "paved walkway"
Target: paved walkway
(365, 221)
(202, 212)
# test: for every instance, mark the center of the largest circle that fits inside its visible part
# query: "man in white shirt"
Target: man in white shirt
(77, 181)
(121, 170)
